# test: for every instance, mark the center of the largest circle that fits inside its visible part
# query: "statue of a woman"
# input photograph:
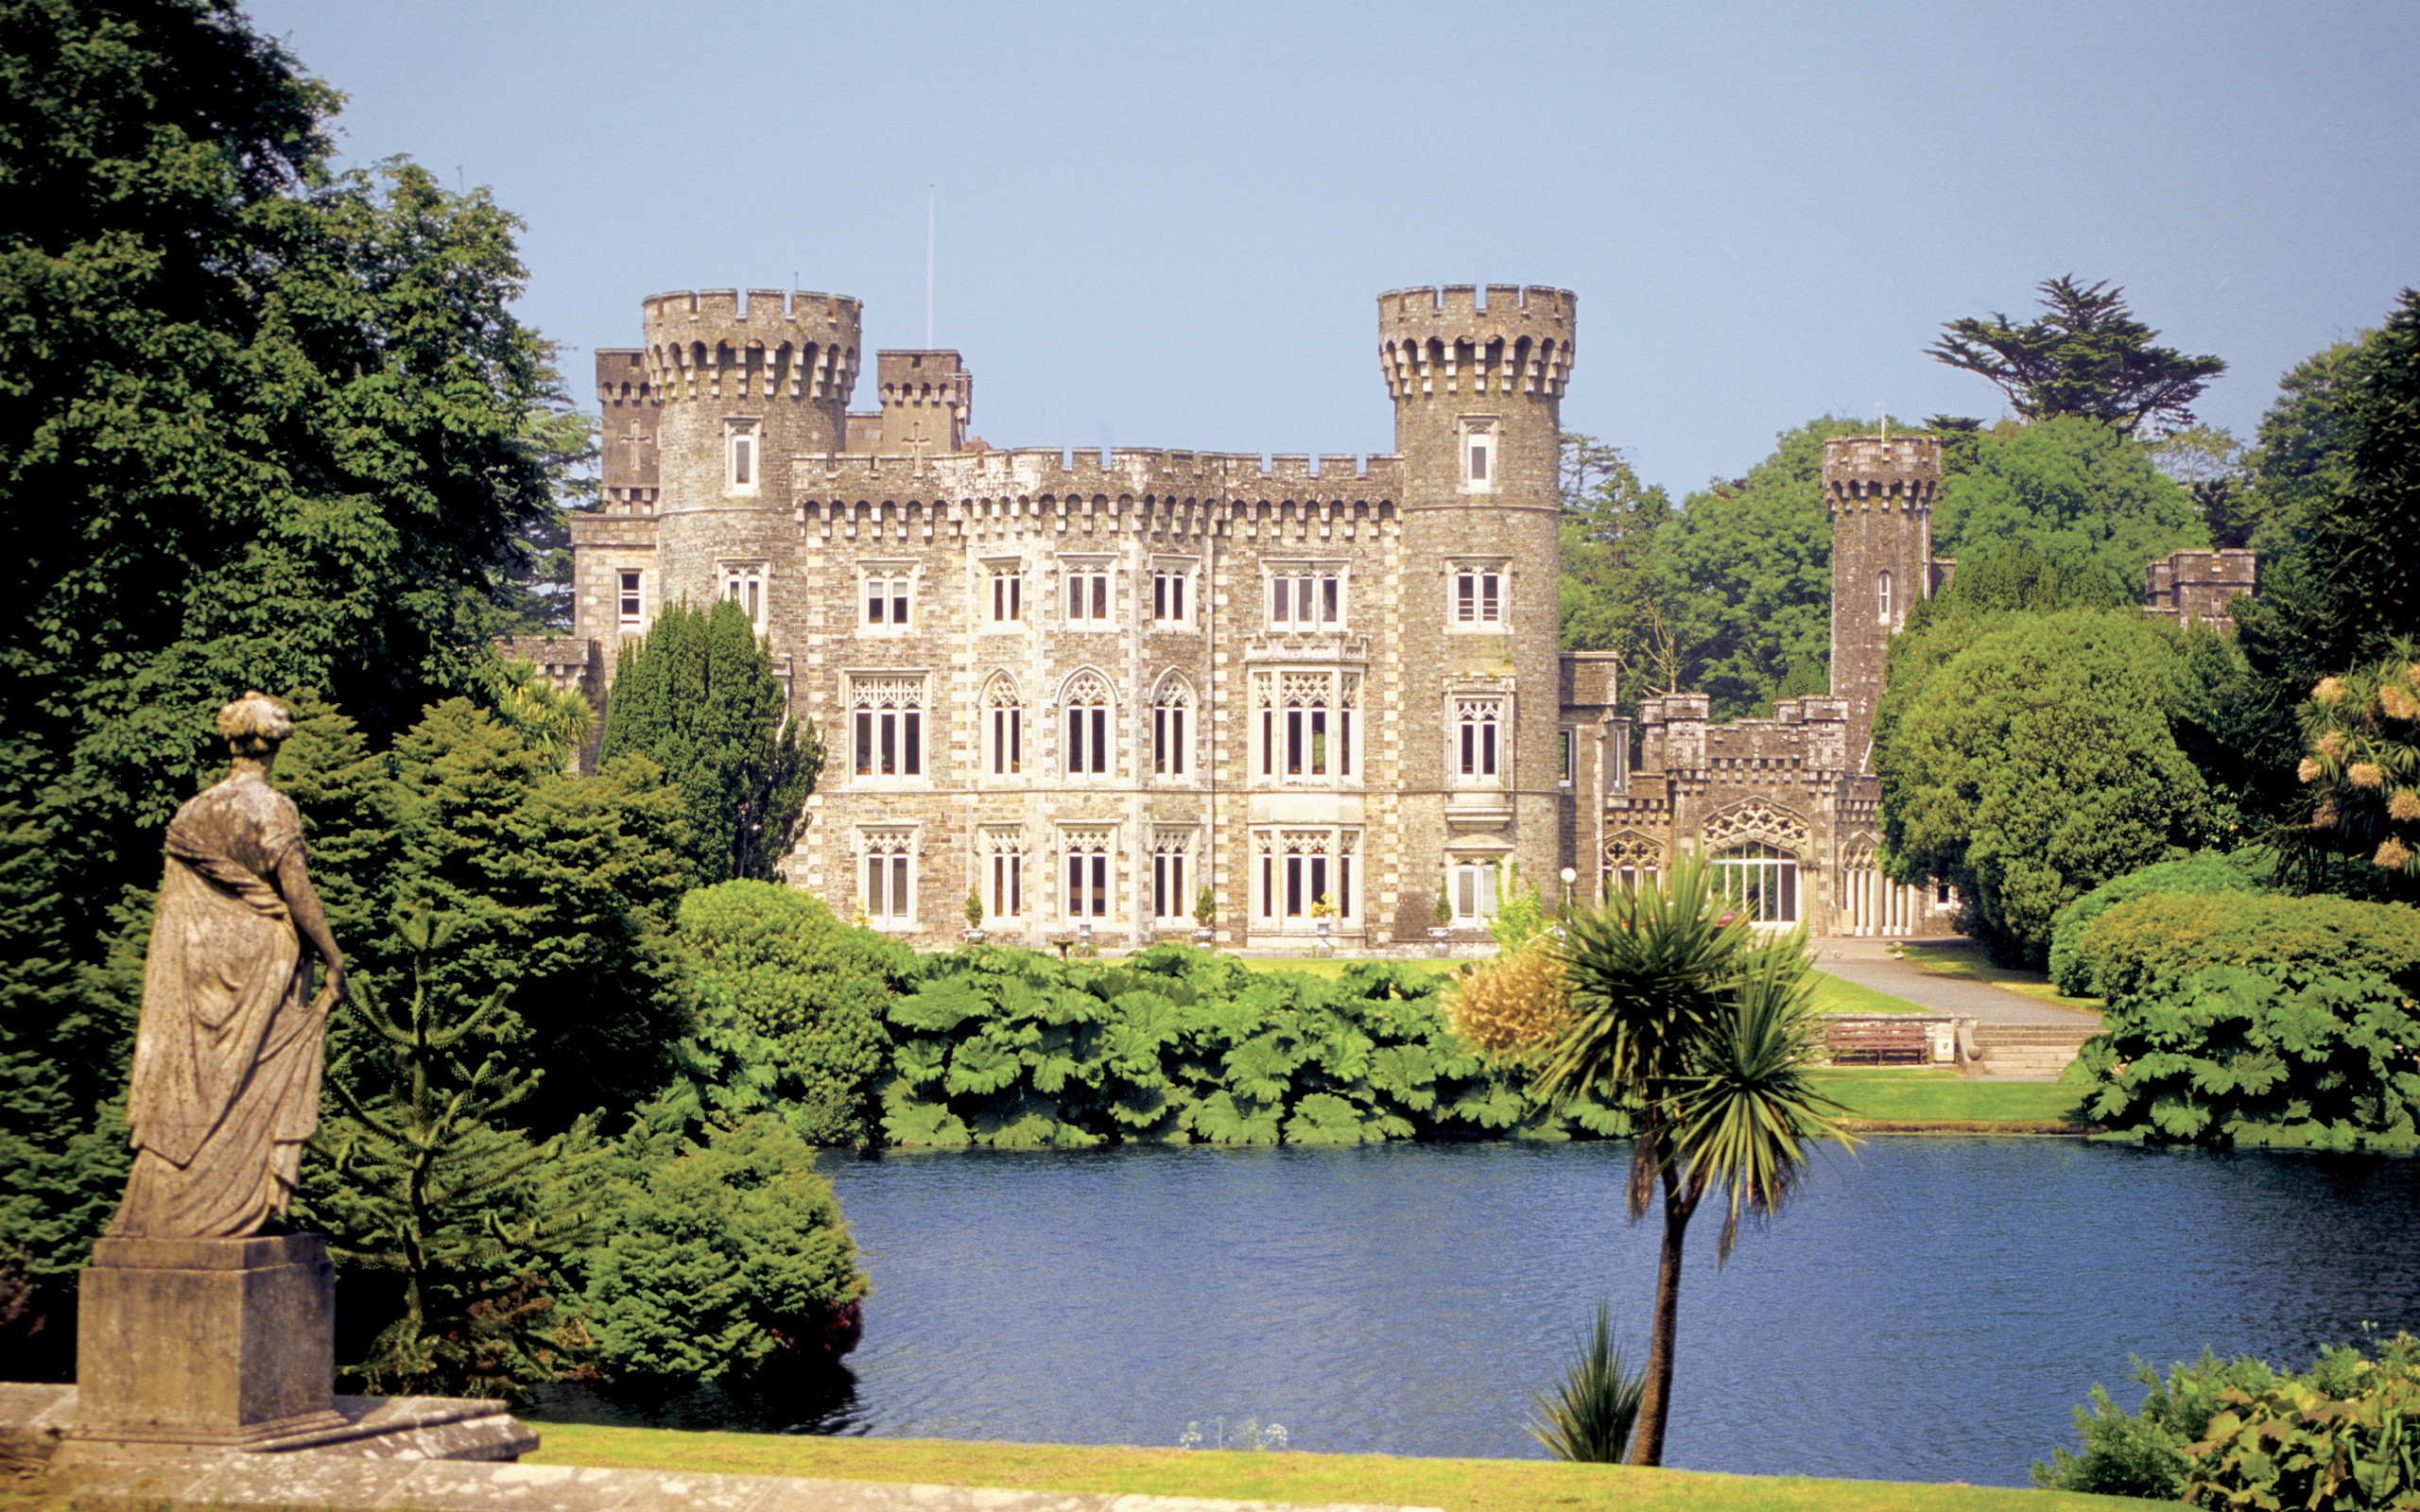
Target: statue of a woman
(226, 1082)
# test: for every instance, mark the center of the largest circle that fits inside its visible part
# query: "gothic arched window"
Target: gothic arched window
(1087, 704)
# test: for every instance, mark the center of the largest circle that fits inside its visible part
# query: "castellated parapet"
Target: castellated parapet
(1880, 491)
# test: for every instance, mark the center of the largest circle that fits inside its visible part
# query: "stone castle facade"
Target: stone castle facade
(1087, 688)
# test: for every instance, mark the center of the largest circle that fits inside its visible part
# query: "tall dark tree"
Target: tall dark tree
(263, 429)
(2088, 356)
(698, 695)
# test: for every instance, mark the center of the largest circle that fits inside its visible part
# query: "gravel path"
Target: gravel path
(1947, 994)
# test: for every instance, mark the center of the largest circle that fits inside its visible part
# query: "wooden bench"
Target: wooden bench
(1878, 1041)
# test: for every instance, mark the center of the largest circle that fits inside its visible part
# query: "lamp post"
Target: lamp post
(1569, 876)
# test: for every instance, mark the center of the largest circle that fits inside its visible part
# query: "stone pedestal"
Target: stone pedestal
(206, 1344)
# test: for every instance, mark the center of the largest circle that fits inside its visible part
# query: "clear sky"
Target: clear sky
(1165, 224)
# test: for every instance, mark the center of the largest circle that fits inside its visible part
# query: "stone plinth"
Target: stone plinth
(202, 1344)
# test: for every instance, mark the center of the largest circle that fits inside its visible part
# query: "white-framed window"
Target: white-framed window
(1088, 593)
(1003, 728)
(1882, 595)
(1481, 460)
(628, 600)
(887, 721)
(1172, 593)
(888, 877)
(1477, 736)
(1634, 861)
(1008, 594)
(743, 464)
(1758, 881)
(1301, 870)
(1087, 750)
(1478, 595)
(1306, 725)
(1089, 854)
(1004, 872)
(743, 583)
(888, 591)
(1304, 596)
(1171, 850)
(1471, 885)
(1171, 728)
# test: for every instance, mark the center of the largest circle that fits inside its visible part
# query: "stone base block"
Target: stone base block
(38, 1423)
(206, 1344)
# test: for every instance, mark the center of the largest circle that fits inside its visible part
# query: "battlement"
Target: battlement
(2194, 586)
(622, 377)
(706, 344)
(1435, 341)
(1903, 468)
(1046, 472)
(927, 400)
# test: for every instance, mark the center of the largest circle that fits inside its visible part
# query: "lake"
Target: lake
(1929, 1309)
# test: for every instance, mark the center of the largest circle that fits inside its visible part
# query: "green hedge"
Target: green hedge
(1009, 1047)
(2171, 936)
(2207, 873)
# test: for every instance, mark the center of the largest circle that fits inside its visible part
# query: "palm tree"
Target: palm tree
(1705, 1031)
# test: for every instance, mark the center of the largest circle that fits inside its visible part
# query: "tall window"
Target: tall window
(1882, 594)
(1634, 861)
(739, 455)
(629, 592)
(1478, 458)
(1476, 737)
(1004, 715)
(1306, 724)
(1562, 757)
(745, 586)
(890, 893)
(887, 595)
(889, 719)
(1471, 887)
(1305, 597)
(1088, 749)
(1006, 881)
(1088, 596)
(1008, 595)
(1306, 874)
(1479, 596)
(1168, 596)
(1759, 881)
(1087, 852)
(1168, 851)
(1168, 729)
(1480, 463)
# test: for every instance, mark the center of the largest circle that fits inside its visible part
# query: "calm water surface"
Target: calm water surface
(1929, 1309)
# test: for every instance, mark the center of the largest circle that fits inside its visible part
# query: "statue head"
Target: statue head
(253, 724)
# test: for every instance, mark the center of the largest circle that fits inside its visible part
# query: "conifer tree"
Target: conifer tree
(697, 695)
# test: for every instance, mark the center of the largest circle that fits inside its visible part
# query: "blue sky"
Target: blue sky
(1165, 224)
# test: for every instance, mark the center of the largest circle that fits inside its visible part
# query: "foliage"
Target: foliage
(724, 1257)
(1609, 529)
(2167, 937)
(536, 597)
(265, 429)
(2361, 767)
(1589, 1417)
(2146, 1453)
(1177, 1045)
(2346, 1435)
(2087, 357)
(697, 695)
(2011, 577)
(1705, 1033)
(426, 1183)
(2205, 872)
(2209, 462)
(1520, 915)
(2034, 764)
(1205, 907)
(791, 1006)
(2069, 487)
(1514, 1005)
(562, 891)
(554, 722)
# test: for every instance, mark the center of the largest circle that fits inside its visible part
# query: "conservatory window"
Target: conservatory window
(1759, 882)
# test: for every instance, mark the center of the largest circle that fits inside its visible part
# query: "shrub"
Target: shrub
(2345, 1435)
(791, 1005)
(2145, 1453)
(1588, 1418)
(2171, 936)
(2206, 872)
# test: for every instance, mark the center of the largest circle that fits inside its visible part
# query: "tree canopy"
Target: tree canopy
(2087, 357)
(2069, 487)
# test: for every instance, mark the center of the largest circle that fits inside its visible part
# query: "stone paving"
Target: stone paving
(1868, 963)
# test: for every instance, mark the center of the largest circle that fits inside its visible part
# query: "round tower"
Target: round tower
(745, 389)
(1477, 391)
(1880, 491)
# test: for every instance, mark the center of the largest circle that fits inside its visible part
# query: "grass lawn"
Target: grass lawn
(1461, 1485)
(1967, 961)
(1333, 966)
(1838, 994)
(1946, 1100)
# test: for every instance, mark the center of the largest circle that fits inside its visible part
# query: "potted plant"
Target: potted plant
(974, 917)
(1443, 915)
(1205, 917)
(1323, 919)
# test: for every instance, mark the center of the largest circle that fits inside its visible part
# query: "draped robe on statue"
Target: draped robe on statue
(226, 1084)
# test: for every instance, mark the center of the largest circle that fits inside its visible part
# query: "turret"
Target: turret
(928, 402)
(1478, 391)
(1880, 493)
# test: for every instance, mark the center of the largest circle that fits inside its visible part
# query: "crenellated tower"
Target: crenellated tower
(928, 402)
(1880, 491)
(743, 388)
(1478, 388)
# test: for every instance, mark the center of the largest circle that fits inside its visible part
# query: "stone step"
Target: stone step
(2034, 1034)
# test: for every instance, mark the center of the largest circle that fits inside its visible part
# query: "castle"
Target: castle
(1087, 688)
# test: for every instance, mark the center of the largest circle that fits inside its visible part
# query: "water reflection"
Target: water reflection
(1929, 1311)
